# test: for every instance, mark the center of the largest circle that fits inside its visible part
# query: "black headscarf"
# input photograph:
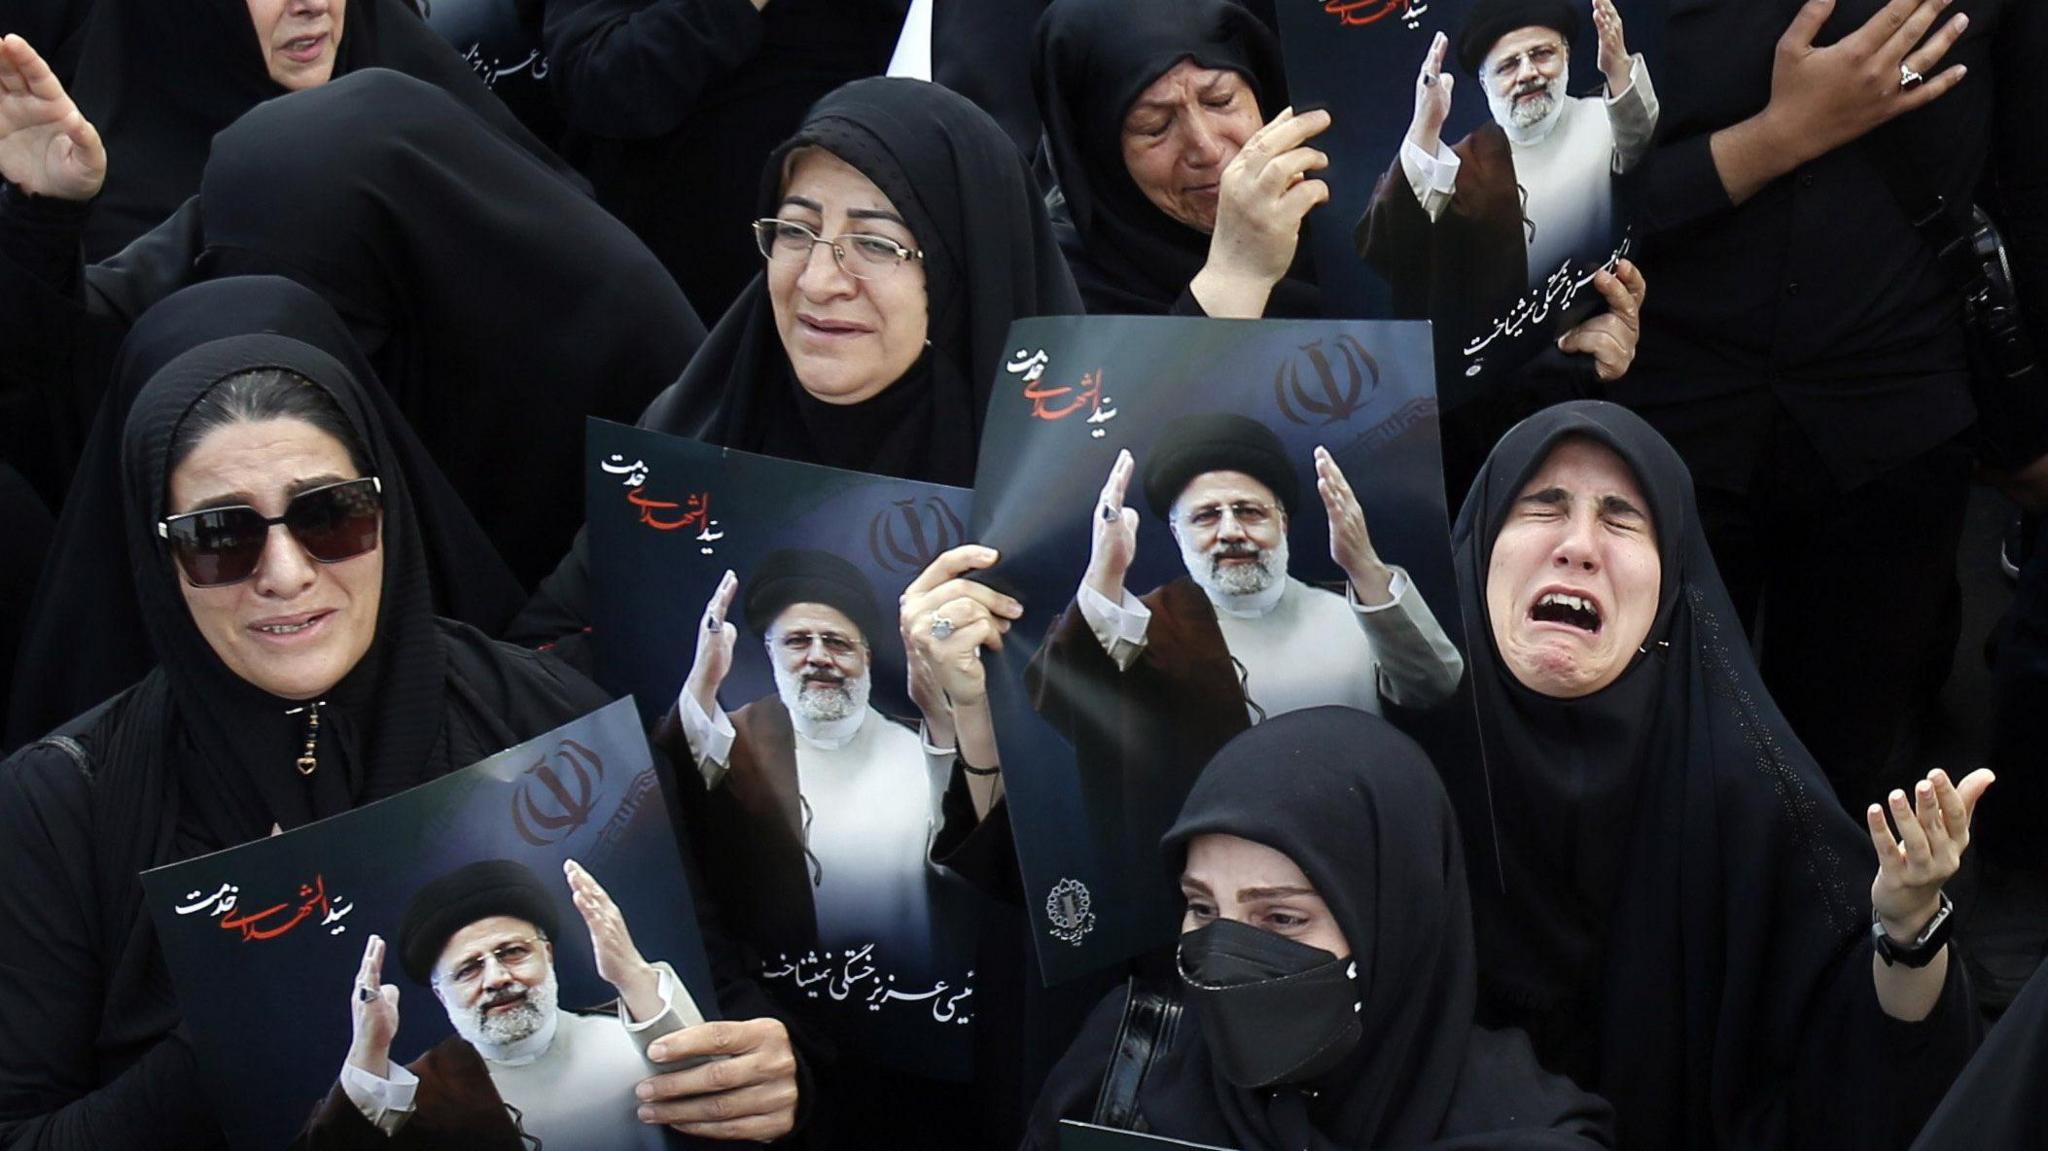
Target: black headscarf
(85, 639)
(990, 259)
(500, 304)
(159, 77)
(1357, 806)
(1996, 1102)
(1092, 59)
(193, 759)
(1670, 898)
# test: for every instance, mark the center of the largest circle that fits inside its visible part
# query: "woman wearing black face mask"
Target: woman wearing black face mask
(1327, 966)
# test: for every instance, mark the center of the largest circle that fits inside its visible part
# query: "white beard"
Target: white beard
(822, 704)
(1234, 580)
(1527, 121)
(490, 1033)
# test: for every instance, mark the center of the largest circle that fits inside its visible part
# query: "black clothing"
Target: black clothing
(1092, 59)
(194, 759)
(1996, 1102)
(989, 259)
(25, 531)
(159, 78)
(498, 303)
(975, 52)
(1672, 903)
(471, 892)
(1357, 806)
(85, 638)
(1818, 289)
(671, 102)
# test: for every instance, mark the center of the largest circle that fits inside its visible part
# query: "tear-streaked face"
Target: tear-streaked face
(1575, 578)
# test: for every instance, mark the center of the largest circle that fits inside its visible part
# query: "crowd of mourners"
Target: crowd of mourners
(292, 264)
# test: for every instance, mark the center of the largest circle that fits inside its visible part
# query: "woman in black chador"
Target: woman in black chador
(1327, 971)
(1668, 898)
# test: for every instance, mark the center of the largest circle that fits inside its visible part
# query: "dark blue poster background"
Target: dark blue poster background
(667, 517)
(267, 1004)
(1072, 393)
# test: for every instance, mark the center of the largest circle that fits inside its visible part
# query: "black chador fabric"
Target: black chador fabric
(1996, 1102)
(1668, 897)
(1357, 806)
(85, 638)
(159, 77)
(671, 104)
(1093, 58)
(193, 759)
(989, 259)
(498, 302)
(25, 530)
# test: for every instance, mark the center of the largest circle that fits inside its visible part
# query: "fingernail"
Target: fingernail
(647, 1115)
(645, 1091)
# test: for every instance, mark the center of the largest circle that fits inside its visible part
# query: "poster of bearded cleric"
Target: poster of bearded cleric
(750, 605)
(483, 960)
(1210, 523)
(1479, 160)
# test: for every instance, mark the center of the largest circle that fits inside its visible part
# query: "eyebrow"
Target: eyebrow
(1252, 894)
(244, 499)
(809, 204)
(1610, 505)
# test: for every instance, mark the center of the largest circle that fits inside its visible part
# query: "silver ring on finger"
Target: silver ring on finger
(1909, 79)
(942, 627)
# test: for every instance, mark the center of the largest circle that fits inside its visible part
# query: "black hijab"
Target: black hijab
(1996, 1102)
(1671, 900)
(85, 639)
(500, 304)
(159, 77)
(1357, 806)
(990, 259)
(1092, 59)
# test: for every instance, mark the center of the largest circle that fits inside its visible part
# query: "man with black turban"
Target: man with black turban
(818, 809)
(517, 1069)
(1460, 232)
(1148, 688)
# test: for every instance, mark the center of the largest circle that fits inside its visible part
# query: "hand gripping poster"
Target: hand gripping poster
(1480, 161)
(480, 961)
(749, 604)
(1209, 523)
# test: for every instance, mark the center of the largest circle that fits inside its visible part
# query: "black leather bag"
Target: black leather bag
(1151, 1021)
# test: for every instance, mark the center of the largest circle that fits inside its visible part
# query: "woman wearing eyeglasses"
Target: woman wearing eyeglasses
(900, 235)
(278, 553)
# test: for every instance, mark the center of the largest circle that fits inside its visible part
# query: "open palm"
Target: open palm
(47, 147)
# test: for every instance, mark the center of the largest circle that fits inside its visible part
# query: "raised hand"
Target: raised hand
(1265, 191)
(1350, 542)
(1115, 542)
(716, 639)
(373, 1006)
(47, 146)
(1934, 831)
(1611, 337)
(618, 962)
(743, 1084)
(1432, 98)
(1823, 98)
(1614, 57)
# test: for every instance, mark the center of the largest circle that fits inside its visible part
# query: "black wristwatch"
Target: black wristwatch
(1924, 947)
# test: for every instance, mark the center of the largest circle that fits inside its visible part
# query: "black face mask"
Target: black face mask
(1273, 1010)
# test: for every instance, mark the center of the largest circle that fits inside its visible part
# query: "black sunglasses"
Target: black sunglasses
(220, 546)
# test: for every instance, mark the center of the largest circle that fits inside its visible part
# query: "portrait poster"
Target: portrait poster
(1502, 262)
(812, 842)
(1097, 756)
(266, 942)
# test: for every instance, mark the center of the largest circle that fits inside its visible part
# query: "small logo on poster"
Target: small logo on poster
(1344, 378)
(1068, 907)
(550, 804)
(909, 534)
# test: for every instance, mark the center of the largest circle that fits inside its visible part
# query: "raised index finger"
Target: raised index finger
(951, 564)
(1119, 480)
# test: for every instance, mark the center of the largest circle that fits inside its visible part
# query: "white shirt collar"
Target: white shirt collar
(1254, 606)
(521, 1052)
(830, 734)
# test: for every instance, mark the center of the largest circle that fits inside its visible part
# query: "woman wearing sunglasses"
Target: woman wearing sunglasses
(901, 233)
(279, 560)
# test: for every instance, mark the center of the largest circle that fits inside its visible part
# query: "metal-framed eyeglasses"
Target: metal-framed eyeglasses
(859, 254)
(1248, 513)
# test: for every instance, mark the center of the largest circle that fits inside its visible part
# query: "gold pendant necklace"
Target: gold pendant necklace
(308, 759)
